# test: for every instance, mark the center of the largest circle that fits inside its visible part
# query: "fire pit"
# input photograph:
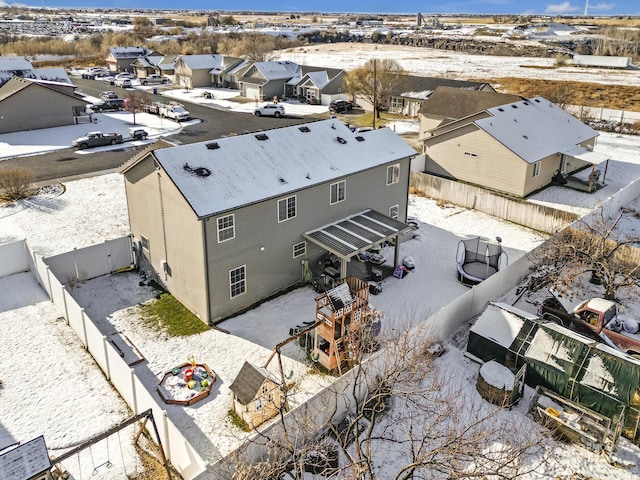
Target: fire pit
(186, 384)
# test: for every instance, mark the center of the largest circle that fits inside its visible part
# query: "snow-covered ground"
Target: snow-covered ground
(93, 210)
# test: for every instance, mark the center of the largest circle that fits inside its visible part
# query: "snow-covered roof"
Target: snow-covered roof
(319, 79)
(219, 175)
(534, 129)
(501, 323)
(14, 63)
(588, 156)
(25, 461)
(128, 52)
(277, 70)
(212, 62)
(53, 74)
(602, 61)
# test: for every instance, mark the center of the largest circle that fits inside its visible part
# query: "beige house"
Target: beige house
(120, 59)
(193, 71)
(515, 148)
(257, 395)
(27, 104)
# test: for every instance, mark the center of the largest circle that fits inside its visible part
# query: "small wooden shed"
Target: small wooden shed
(257, 395)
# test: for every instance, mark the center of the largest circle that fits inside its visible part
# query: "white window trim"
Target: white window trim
(286, 200)
(397, 208)
(232, 227)
(144, 243)
(304, 249)
(344, 192)
(395, 174)
(536, 169)
(231, 295)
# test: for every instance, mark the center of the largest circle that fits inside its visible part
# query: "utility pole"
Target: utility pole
(375, 93)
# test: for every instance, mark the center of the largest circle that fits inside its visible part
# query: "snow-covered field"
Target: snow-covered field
(70, 387)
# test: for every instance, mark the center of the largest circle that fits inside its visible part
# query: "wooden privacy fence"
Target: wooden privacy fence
(537, 217)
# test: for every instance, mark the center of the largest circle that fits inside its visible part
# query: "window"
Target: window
(470, 154)
(237, 281)
(536, 169)
(259, 404)
(393, 211)
(286, 208)
(393, 174)
(397, 103)
(226, 228)
(338, 192)
(299, 249)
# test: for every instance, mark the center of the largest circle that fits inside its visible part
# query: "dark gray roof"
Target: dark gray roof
(422, 87)
(451, 102)
(25, 461)
(249, 381)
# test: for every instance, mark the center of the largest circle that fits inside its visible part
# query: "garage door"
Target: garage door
(252, 92)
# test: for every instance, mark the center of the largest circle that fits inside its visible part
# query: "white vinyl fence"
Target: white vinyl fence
(84, 264)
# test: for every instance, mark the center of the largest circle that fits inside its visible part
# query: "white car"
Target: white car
(123, 82)
(270, 109)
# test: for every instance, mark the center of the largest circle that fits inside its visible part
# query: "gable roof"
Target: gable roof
(303, 71)
(128, 52)
(534, 129)
(20, 67)
(454, 102)
(421, 88)
(26, 460)
(17, 84)
(167, 62)
(248, 382)
(277, 70)
(219, 175)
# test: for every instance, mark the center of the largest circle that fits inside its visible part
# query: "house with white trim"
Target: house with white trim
(264, 80)
(315, 85)
(207, 70)
(228, 223)
(515, 148)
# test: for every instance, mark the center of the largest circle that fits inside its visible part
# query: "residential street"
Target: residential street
(215, 123)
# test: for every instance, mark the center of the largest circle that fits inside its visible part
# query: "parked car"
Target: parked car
(97, 139)
(138, 133)
(108, 95)
(152, 79)
(270, 109)
(123, 82)
(113, 104)
(128, 75)
(339, 106)
(110, 79)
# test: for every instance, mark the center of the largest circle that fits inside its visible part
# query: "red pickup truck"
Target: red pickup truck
(596, 318)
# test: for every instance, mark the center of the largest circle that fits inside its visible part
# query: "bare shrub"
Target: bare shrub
(15, 183)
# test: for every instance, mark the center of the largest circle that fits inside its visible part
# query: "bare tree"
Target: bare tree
(375, 81)
(134, 102)
(407, 418)
(15, 183)
(251, 46)
(595, 246)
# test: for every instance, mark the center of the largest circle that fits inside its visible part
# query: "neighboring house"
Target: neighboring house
(193, 71)
(265, 80)
(230, 222)
(410, 92)
(120, 59)
(447, 104)
(166, 68)
(257, 395)
(19, 67)
(27, 461)
(315, 85)
(515, 148)
(27, 104)
(147, 65)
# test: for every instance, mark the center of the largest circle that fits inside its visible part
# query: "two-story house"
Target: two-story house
(265, 80)
(193, 71)
(230, 222)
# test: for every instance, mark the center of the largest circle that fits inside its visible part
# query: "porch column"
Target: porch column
(396, 252)
(343, 268)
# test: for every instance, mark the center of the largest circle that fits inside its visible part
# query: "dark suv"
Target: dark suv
(339, 106)
(108, 104)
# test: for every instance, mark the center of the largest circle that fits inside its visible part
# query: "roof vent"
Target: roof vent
(304, 129)
(525, 137)
(341, 140)
(212, 146)
(501, 109)
(262, 136)
(198, 171)
(282, 180)
(537, 100)
(360, 139)
(333, 126)
(514, 106)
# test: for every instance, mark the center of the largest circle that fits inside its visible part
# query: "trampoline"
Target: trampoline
(478, 258)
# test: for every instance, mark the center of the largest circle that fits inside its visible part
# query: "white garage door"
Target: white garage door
(252, 92)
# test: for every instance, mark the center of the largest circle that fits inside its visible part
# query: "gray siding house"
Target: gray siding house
(227, 223)
(265, 80)
(315, 85)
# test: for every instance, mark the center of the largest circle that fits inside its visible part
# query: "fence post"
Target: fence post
(64, 298)
(165, 431)
(84, 328)
(106, 357)
(134, 397)
(48, 271)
